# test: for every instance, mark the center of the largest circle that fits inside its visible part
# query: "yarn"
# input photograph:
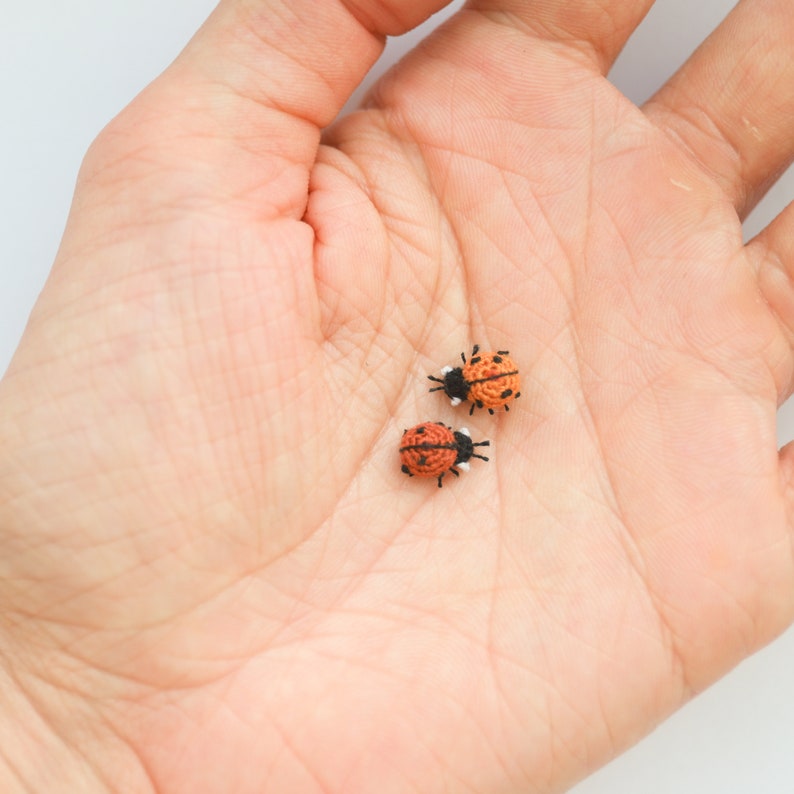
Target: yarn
(487, 380)
(428, 450)
(493, 379)
(432, 449)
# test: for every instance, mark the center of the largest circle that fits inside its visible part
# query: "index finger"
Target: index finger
(244, 103)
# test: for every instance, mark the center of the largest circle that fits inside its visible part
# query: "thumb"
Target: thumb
(240, 111)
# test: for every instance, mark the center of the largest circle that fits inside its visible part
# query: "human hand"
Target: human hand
(215, 577)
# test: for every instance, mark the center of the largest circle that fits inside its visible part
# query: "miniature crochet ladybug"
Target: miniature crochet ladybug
(432, 449)
(488, 380)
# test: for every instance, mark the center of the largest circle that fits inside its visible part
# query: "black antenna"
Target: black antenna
(436, 380)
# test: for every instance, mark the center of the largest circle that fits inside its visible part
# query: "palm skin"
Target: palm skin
(215, 577)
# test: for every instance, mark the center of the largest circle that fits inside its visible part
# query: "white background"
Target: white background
(67, 67)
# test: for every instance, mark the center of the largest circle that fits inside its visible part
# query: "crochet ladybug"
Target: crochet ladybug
(432, 449)
(488, 380)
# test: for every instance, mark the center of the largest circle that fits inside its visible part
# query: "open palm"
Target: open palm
(215, 577)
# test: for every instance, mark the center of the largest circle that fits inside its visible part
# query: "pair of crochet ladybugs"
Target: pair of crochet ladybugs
(486, 380)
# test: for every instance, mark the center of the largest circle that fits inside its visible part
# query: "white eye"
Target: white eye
(465, 431)
(455, 401)
(445, 370)
(462, 466)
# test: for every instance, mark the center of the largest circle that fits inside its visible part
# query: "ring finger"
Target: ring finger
(732, 104)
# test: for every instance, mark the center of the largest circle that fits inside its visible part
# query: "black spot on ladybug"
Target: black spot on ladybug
(497, 359)
(507, 393)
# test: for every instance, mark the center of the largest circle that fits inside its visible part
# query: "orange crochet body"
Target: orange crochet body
(428, 450)
(493, 379)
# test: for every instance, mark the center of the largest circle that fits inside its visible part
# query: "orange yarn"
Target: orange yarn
(492, 384)
(428, 450)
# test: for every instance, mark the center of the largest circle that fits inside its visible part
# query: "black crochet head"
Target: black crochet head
(465, 447)
(455, 386)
